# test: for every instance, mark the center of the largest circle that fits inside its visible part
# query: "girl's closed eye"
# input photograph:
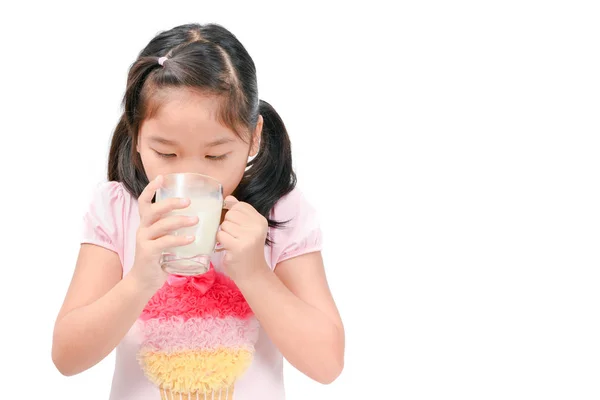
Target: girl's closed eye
(217, 158)
(165, 155)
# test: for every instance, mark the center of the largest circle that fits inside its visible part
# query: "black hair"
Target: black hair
(210, 59)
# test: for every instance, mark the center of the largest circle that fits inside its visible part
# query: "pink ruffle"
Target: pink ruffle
(176, 334)
(186, 297)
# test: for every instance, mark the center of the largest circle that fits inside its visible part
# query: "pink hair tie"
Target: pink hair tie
(162, 60)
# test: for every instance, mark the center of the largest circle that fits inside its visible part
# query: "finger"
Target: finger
(232, 229)
(169, 224)
(229, 202)
(236, 216)
(157, 210)
(226, 240)
(145, 198)
(170, 241)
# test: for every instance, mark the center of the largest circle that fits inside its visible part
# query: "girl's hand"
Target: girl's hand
(242, 235)
(154, 235)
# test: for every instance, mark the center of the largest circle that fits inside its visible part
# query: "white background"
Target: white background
(452, 149)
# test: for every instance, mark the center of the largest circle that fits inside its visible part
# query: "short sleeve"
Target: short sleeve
(104, 219)
(301, 231)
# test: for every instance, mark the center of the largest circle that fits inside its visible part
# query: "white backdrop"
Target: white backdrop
(451, 149)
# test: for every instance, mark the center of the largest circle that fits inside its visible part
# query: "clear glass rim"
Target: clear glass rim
(172, 177)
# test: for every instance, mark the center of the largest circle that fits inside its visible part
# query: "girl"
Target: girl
(191, 105)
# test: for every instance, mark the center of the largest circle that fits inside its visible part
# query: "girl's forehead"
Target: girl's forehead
(187, 115)
(185, 103)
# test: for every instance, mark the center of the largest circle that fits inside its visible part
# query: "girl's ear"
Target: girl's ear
(256, 136)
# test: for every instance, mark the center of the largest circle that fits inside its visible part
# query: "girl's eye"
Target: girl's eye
(163, 155)
(217, 158)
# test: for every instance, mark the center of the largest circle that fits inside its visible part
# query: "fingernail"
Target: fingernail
(189, 238)
(194, 219)
(183, 201)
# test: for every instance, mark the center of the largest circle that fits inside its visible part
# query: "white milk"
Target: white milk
(208, 209)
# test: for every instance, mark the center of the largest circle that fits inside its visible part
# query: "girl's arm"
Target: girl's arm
(98, 310)
(296, 309)
(100, 307)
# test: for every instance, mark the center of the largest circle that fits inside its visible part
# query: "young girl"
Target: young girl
(192, 105)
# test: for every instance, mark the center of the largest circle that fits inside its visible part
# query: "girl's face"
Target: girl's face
(185, 136)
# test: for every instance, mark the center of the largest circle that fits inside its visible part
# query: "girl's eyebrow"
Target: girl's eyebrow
(214, 143)
(162, 140)
(219, 142)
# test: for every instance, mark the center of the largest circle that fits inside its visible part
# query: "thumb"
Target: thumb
(230, 201)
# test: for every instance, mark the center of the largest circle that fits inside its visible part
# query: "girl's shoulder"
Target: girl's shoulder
(109, 198)
(107, 213)
(110, 191)
(295, 201)
(296, 208)
(300, 230)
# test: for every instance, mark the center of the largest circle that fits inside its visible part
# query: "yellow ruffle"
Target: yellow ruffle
(191, 371)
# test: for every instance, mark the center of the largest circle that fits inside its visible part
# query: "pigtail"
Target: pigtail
(124, 163)
(119, 158)
(270, 175)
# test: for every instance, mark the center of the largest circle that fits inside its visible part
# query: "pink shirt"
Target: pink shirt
(197, 337)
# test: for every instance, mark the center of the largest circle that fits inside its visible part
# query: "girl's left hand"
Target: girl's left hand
(242, 235)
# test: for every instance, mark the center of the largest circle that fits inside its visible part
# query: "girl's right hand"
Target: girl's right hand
(154, 235)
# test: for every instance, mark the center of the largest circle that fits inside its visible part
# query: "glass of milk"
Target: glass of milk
(206, 196)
